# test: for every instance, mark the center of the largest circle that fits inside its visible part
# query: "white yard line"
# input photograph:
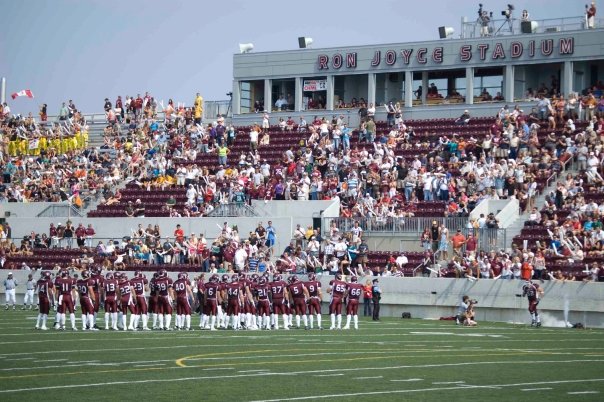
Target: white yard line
(448, 382)
(535, 389)
(408, 380)
(583, 392)
(253, 371)
(368, 378)
(328, 375)
(149, 365)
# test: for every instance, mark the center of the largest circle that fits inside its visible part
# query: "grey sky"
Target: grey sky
(87, 50)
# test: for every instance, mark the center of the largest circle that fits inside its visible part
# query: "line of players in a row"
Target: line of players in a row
(238, 301)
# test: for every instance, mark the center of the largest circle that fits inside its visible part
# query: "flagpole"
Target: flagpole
(3, 91)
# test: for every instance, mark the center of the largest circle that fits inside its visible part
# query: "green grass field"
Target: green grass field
(394, 359)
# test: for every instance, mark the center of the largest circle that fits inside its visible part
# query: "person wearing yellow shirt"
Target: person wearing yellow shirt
(198, 104)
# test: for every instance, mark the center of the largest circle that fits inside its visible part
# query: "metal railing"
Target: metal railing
(233, 209)
(502, 26)
(62, 211)
(393, 225)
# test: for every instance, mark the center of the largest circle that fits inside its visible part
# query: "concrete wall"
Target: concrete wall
(498, 300)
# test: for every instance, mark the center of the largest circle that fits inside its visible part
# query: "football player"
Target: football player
(279, 294)
(86, 291)
(354, 290)
(298, 297)
(212, 299)
(533, 293)
(262, 291)
(182, 289)
(141, 285)
(164, 299)
(337, 288)
(65, 288)
(153, 306)
(314, 302)
(109, 290)
(46, 293)
(199, 292)
(222, 315)
(234, 295)
(97, 284)
(127, 297)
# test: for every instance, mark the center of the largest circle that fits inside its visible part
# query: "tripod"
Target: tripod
(507, 23)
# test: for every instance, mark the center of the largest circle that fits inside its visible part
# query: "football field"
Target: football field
(394, 359)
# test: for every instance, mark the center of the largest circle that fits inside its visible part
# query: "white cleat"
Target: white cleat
(345, 327)
(146, 329)
(44, 329)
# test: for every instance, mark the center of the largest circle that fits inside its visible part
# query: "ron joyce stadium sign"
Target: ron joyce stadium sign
(423, 55)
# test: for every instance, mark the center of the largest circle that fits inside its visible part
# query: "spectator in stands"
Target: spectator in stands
(464, 119)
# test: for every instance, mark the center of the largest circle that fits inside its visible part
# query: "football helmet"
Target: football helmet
(163, 273)
(46, 275)
(262, 281)
(293, 279)
(214, 278)
(155, 275)
(338, 276)
(64, 273)
(312, 276)
(254, 278)
(85, 274)
(234, 278)
(182, 275)
(225, 278)
(109, 275)
(138, 274)
(277, 277)
(354, 279)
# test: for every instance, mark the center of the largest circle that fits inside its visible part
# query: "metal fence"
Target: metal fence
(394, 225)
(234, 209)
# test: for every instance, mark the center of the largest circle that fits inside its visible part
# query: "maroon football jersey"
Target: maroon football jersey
(64, 285)
(139, 285)
(337, 288)
(125, 287)
(110, 287)
(163, 285)
(233, 290)
(82, 286)
(180, 287)
(297, 290)
(355, 290)
(211, 290)
(313, 288)
(262, 291)
(44, 286)
(278, 289)
(97, 283)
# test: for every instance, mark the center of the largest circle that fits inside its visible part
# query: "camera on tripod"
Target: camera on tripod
(507, 13)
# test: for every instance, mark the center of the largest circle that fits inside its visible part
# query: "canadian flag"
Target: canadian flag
(25, 92)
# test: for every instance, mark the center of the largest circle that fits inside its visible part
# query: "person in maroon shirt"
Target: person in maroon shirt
(140, 284)
(211, 299)
(164, 299)
(89, 232)
(262, 291)
(45, 295)
(127, 302)
(354, 291)
(65, 288)
(109, 288)
(182, 289)
(337, 288)
(279, 295)
(298, 297)
(80, 233)
(249, 307)
(86, 291)
(200, 286)
(315, 299)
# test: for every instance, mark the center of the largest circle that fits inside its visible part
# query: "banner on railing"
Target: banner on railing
(315, 85)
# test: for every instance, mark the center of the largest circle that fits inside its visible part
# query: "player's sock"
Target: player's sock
(38, 320)
(145, 320)
(538, 318)
(290, 320)
(188, 321)
(319, 320)
(276, 321)
(161, 321)
(91, 321)
(248, 320)
(63, 317)
(177, 320)
(348, 317)
(297, 320)
(333, 321)
(123, 319)
(356, 321)
(168, 318)
(106, 320)
(267, 322)
(339, 317)
(94, 319)
(286, 322)
(84, 322)
(154, 317)
(212, 322)
(305, 321)
(44, 318)
(114, 320)
(272, 319)
(312, 321)
(203, 319)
